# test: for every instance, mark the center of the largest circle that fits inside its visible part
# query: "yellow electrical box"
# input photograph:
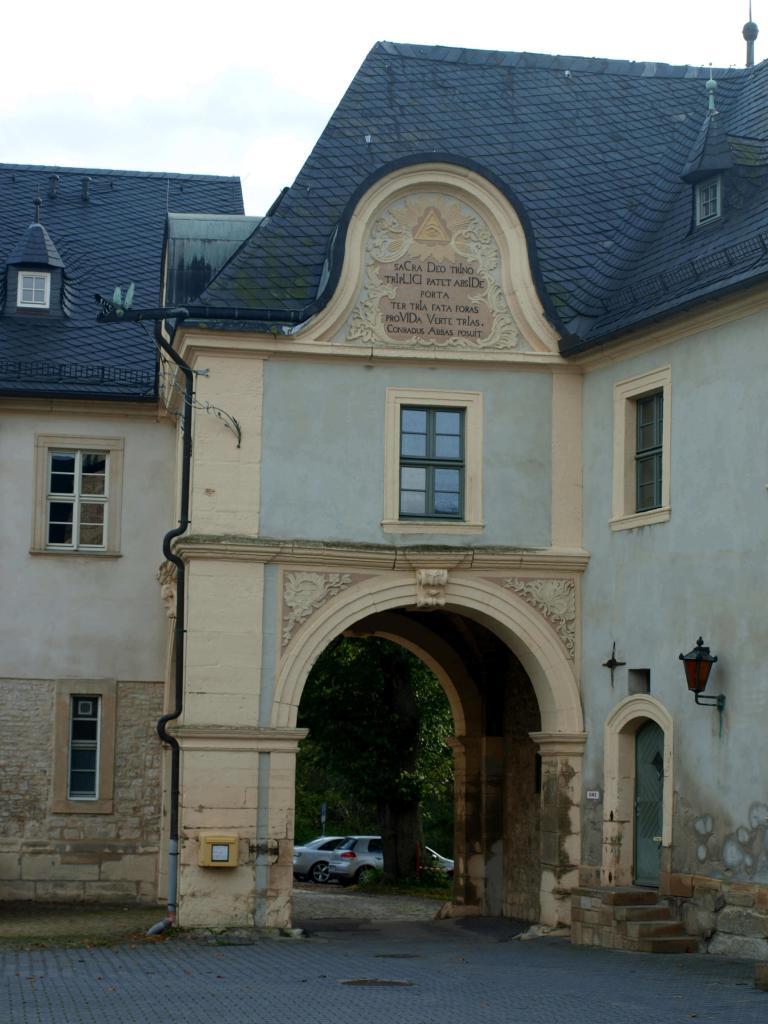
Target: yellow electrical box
(218, 850)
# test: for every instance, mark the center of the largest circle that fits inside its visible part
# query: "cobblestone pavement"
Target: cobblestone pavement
(26, 923)
(311, 902)
(35, 924)
(362, 971)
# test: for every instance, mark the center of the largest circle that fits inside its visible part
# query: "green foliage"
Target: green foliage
(367, 746)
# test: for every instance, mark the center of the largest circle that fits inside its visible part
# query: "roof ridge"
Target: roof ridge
(116, 171)
(548, 62)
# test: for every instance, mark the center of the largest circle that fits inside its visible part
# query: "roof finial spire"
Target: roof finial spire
(749, 32)
(711, 86)
(38, 204)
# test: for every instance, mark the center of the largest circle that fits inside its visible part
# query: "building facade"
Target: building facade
(86, 450)
(488, 380)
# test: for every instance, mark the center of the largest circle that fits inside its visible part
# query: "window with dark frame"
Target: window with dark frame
(431, 463)
(649, 411)
(83, 779)
(77, 499)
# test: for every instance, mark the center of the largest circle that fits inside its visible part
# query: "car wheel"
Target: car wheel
(362, 872)
(319, 872)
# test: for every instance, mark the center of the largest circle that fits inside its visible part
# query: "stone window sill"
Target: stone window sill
(82, 806)
(74, 553)
(649, 518)
(429, 526)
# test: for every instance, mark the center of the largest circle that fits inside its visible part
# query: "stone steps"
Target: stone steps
(685, 944)
(627, 918)
(652, 929)
(660, 912)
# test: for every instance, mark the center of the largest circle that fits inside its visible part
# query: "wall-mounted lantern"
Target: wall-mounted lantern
(698, 664)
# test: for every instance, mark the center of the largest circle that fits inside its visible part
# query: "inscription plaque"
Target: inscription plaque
(432, 279)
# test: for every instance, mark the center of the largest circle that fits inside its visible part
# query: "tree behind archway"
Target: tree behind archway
(377, 721)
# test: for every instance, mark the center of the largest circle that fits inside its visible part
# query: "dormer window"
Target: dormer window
(34, 290)
(709, 200)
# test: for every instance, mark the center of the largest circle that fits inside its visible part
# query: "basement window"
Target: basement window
(84, 746)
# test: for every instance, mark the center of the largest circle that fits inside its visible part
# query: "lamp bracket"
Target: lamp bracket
(711, 701)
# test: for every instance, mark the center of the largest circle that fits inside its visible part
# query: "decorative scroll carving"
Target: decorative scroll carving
(305, 592)
(166, 577)
(430, 587)
(432, 280)
(555, 599)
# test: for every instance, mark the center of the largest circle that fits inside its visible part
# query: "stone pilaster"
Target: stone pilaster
(561, 775)
(237, 780)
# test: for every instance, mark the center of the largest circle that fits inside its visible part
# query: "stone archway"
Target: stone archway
(619, 779)
(539, 650)
(512, 619)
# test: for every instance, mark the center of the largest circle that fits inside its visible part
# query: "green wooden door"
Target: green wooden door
(649, 793)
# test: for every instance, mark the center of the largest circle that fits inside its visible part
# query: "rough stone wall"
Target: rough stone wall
(522, 811)
(26, 745)
(730, 918)
(68, 856)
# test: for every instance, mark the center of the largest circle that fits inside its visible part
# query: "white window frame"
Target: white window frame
(75, 745)
(112, 447)
(700, 192)
(472, 404)
(23, 303)
(103, 801)
(76, 500)
(625, 396)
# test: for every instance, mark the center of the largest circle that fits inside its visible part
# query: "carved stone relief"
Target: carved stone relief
(432, 280)
(555, 599)
(304, 593)
(166, 577)
(430, 587)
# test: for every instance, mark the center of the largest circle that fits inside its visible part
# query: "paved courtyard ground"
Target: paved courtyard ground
(362, 969)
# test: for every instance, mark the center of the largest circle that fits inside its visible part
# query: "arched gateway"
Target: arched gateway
(408, 464)
(502, 642)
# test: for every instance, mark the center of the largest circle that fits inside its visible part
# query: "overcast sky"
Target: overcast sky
(245, 87)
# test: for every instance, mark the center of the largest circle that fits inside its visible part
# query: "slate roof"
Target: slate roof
(107, 232)
(197, 246)
(35, 248)
(591, 151)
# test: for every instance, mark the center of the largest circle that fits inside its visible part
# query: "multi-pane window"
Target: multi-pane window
(708, 201)
(83, 773)
(649, 413)
(34, 290)
(431, 463)
(77, 499)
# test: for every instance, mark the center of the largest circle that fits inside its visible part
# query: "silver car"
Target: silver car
(354, 856)
(311, 859)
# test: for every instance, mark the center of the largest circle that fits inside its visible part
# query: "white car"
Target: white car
(437, 861)
(310, 860)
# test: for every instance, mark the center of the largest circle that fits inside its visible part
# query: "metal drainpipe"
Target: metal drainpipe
(173, 743)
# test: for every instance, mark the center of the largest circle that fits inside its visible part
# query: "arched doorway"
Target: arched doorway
(519, 738)
(638, 771)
